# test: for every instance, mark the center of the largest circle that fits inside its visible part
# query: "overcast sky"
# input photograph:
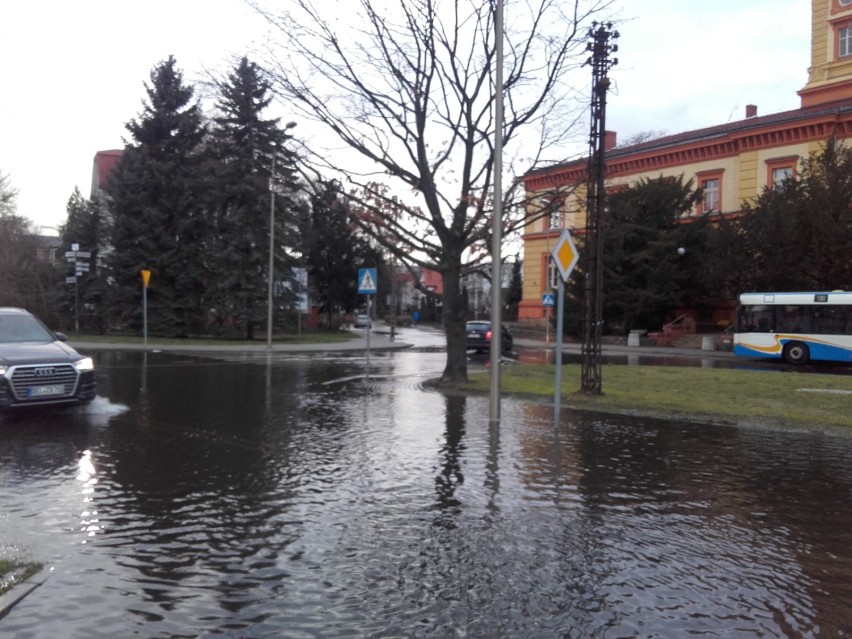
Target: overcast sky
(74, 73)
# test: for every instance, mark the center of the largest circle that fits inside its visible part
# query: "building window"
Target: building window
(779, 170)
(553, 275)
(844, 41)
(779, 175)
(556, 217)
(710, 184)
(551, 209)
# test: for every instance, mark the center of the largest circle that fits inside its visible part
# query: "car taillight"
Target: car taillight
(488, 334)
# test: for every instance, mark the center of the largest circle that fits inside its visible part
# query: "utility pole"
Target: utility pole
(497, 221)
(600, 46)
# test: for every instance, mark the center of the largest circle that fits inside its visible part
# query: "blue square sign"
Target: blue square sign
(367, 281)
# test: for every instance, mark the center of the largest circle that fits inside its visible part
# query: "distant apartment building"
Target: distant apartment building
(731, 162)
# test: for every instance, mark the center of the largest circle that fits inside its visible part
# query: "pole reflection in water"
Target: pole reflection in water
(86, 475)
(293, 497)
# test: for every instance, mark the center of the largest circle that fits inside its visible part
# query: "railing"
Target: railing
(666, 327)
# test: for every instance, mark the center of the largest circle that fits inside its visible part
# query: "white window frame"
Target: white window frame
(844, 41)
(711, 198)
(779, 174)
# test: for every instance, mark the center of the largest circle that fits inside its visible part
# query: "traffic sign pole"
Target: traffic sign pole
(565, 257)
(146, 277)
(557, 394)
(368, 285)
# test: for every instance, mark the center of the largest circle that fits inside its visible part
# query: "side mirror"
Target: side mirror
(60, 336)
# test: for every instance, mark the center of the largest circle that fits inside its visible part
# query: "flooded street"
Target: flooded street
(312, 496)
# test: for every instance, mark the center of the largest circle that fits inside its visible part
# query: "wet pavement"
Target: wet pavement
(309, 494)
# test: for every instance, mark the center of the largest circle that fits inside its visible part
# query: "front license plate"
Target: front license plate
(46, 391)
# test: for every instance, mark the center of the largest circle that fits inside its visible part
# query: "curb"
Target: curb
(16, 593)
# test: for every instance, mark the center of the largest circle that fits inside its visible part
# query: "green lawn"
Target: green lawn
(797, 399)
(307, 337)
(12, 573)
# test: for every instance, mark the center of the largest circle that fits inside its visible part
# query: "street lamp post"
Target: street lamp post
(271, 282)
(271, 276)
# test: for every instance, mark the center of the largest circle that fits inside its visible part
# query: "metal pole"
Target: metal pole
(145, 315)
(369, 330)
(497, 221)
(557, 392)
(600, 46)
(271, 256)
(76, 303)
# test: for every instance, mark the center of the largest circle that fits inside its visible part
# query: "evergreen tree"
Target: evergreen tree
(333, 252)
(516, 290)
(252, 158)
(798, 235)
(645, 274)
(158, 212)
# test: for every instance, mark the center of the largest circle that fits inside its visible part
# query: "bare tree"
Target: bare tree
(409, 87)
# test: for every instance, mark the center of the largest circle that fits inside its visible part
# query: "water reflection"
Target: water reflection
(268, 497)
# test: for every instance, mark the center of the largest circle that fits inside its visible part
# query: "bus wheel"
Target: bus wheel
(796, 353)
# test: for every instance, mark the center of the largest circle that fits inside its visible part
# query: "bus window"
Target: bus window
(794, 319)
(756, 318)
(831, 320)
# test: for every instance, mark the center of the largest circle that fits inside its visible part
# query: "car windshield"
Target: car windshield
(20, 328)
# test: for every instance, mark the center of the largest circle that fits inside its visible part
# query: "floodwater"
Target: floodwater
(311, 496)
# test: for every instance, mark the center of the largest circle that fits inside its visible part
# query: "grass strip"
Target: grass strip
(318, 337)
(809, 400)
(12, 573)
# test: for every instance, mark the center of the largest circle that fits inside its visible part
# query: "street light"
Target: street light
(287, 127)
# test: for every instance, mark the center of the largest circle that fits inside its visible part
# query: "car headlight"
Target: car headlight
(2, 371)
(85, 364)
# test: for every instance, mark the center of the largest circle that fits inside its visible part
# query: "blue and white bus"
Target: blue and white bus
(796, 327)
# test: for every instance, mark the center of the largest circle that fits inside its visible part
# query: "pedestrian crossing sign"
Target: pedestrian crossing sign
(367, 281)
(547, 299)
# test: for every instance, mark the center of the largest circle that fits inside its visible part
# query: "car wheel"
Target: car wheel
(796, 353)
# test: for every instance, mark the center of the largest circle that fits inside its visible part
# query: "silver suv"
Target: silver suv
(37, 368)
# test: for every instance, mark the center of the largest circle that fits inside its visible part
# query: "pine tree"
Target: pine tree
(798, 235)
(159, 219)
(516, 290)
(645, 276)
(332, 251)
(252, 159)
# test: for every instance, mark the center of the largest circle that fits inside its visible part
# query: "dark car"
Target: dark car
(479, 337)
(37, 368)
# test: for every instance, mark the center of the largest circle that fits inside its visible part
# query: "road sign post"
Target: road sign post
(76, 257)
(367, 285)
(146, 278)
(565, 257)
(547, 302)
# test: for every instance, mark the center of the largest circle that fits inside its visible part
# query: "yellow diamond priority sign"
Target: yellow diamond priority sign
(565, 254)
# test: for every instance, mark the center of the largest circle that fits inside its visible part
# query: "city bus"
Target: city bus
(795, 327)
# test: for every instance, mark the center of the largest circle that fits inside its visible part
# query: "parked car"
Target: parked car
(37, 368)
(362, 321)
(479, 337)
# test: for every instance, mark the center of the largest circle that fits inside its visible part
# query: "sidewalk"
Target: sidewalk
(378, 342)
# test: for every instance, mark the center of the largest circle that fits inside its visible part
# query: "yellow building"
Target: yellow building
(731, 163)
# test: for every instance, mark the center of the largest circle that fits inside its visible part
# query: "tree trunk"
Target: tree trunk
(455, 316)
